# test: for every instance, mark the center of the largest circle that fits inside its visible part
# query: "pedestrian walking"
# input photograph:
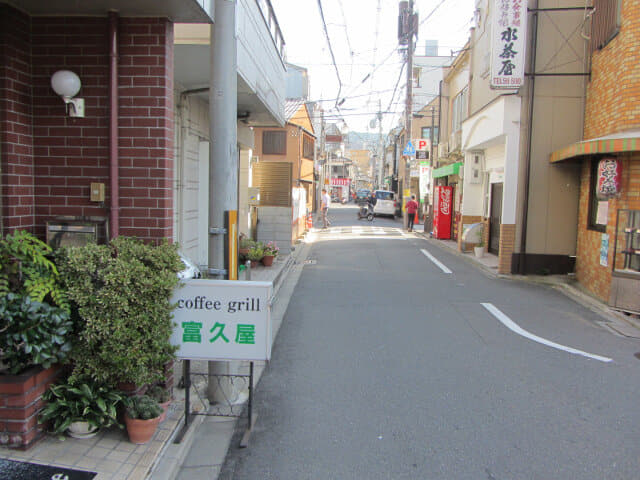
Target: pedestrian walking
(412, 210)
(326, 201)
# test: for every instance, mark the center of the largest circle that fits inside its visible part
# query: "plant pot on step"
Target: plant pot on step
(142, 417)
(82, 430)
(479, 251)
(267, 260)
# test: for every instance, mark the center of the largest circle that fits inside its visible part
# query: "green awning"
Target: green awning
(451, 169)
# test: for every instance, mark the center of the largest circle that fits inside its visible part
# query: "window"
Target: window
(598, 209)
(274, 142)
(605, 22)
(307, 147)
(627, 246)
(426, 133)
(459, 110)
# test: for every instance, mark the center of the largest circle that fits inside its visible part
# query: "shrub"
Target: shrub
(256, 252)
(159, 394)
(25, 269)
(143, 407)
(32, 333)
(121, 292)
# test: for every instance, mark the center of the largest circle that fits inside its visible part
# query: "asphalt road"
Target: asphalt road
(386, 367)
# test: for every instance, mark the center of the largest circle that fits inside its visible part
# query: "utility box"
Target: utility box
(76, 231)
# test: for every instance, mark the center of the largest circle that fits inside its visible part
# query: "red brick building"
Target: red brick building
(608, 246)
(48, 159)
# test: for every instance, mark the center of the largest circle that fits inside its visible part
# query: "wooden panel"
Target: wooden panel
(274, 181)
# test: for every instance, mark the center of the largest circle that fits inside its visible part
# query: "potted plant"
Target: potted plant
(163, 397)
(270, 253)
(80, 410)
(121, 293)
(479, 248)
(36, 333)
(256, 252)
(142, 415)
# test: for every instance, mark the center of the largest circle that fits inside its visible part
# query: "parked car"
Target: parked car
(362, 194)
(386, 203)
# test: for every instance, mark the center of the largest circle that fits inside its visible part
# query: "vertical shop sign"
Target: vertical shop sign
(508, 35)
(609, 176)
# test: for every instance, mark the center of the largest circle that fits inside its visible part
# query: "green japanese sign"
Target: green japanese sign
(222, 320)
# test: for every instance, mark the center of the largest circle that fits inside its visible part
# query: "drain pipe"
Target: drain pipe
(114, 211)
(522, 264)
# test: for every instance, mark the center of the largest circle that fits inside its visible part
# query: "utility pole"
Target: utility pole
(380, 146)
(223, 166)
(406, 183)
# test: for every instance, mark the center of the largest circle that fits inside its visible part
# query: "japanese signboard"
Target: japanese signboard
(508, 43)
(222, 320)
(609, 178)
(425, 180)
(340, 181)
(422, 144)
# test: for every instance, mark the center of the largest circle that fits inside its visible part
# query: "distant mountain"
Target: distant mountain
(361, 141)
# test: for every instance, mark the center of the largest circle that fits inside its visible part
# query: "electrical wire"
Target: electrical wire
(333, 58)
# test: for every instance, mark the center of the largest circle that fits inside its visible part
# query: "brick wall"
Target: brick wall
(16, 135)
(20, 404)
(612, 106)
(507, 247)
(595, 277)
(61, 155)
(613, 92)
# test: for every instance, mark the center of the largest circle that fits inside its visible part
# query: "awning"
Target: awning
(616, 143)
(451, 169)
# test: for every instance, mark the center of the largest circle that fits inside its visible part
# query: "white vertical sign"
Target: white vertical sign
(509, 29)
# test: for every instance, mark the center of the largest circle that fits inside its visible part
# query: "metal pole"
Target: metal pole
(223, 156)
(406, 173)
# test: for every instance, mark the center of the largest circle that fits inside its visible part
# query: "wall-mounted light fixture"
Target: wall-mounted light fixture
(67, 84)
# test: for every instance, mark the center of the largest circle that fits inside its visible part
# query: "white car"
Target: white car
(386, 203)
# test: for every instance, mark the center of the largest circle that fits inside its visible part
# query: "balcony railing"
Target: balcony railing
(272, 24)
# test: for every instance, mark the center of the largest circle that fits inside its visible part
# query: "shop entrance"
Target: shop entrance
(495, 218)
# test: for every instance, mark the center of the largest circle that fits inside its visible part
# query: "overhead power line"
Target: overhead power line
(333, 58)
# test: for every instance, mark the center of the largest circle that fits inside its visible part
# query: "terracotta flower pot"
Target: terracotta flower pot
(141, 431)
(267, 260)
(165, 409)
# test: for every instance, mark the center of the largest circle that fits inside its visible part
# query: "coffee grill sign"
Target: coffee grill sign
(222, 320)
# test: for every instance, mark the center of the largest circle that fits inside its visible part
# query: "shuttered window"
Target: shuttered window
(605, 22)
(274, 142)
(274, 181)
(307, 147)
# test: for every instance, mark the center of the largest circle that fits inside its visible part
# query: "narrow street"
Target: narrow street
(391, 364)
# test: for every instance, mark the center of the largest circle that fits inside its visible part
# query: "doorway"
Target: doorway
(495, 219)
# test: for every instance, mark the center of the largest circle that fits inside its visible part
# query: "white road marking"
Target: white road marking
(436, 261)
(514, 327)
(356, 230)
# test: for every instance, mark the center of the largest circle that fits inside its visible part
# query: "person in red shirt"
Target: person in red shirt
(412, 209)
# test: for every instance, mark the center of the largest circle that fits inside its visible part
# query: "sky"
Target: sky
(363, 38)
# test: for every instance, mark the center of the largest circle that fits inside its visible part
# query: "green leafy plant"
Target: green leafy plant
(246, 242)
(159, 394)
(256, 252)
(87, 401)
(143, 407)
(33, 333)
(26, 269)
(121, 293)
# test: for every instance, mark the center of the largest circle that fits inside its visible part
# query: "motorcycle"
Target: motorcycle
(365, 212)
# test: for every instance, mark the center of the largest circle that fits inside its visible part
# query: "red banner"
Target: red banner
(340, 181)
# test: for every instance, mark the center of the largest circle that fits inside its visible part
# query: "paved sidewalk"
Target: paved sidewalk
(113, 457)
